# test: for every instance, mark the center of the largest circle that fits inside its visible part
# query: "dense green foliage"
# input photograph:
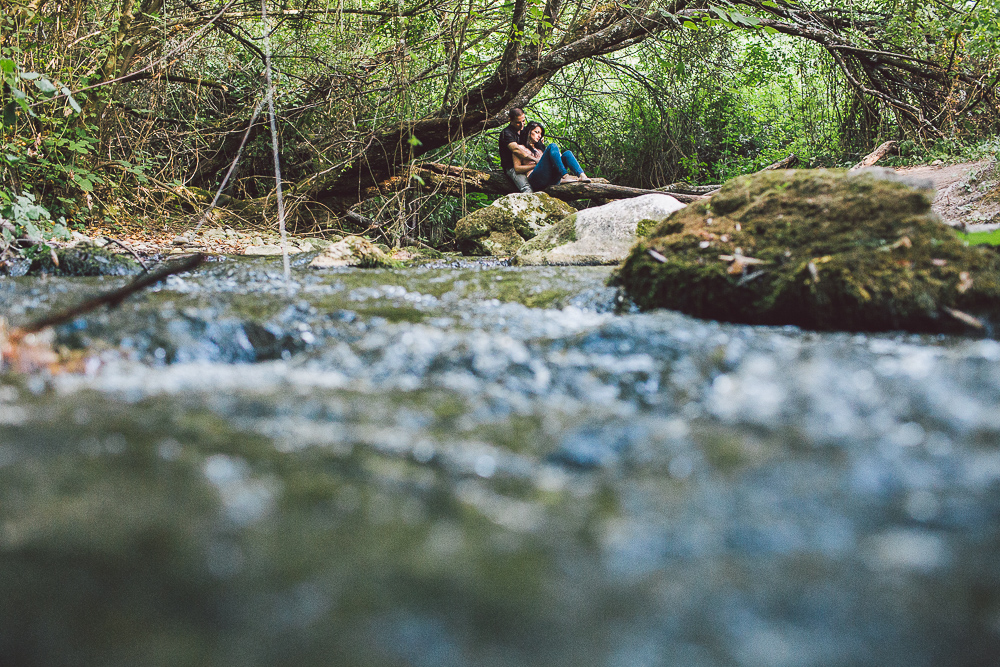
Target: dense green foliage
(99, 123)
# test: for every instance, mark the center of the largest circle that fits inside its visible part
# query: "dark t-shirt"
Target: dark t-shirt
(507, 136)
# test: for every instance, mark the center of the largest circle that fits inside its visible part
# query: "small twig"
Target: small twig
(747, 277)
(128, 250)
(964, 318)
(112, 298)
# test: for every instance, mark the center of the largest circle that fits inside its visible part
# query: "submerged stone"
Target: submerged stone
(598, 235)
(503, 227)
(821, 249)
(84, 261)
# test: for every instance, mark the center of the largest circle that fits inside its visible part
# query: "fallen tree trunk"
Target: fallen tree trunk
(784, 163)
(597, 190)
(452, 180)
(687, 189)
(875, 155)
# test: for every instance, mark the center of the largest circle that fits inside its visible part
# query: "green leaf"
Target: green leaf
(769, 30)
(69, 100)
(10, 113)
(413, 141)
(45, 86)
(6, 65)
(29, 76)
(744, 19)
(690, 25)
(18, 93)
(85, 185)
(720, 13)
(11, 158)
(31, 231)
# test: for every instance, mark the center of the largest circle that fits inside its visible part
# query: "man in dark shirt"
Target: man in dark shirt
(508, 145)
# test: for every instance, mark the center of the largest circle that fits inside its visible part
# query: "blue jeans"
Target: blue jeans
(552, 166)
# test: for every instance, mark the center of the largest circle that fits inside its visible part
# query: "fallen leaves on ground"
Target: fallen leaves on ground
(25, 352)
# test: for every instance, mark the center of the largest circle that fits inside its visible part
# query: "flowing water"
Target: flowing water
(475, 464)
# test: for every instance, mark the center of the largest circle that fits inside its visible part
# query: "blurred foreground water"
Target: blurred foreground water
(485, 465)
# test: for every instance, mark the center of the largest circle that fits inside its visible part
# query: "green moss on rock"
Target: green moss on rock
(644, 227)
(534, 251)
(503, 227)
(821, 249)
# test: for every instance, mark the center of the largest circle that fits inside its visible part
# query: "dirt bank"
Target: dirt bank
(967, 193)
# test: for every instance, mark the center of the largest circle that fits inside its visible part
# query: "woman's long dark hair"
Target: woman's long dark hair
(526, 132)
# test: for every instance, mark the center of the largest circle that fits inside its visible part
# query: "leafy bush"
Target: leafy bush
(23, 220)
(41, 146)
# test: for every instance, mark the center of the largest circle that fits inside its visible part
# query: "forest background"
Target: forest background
(129, 109)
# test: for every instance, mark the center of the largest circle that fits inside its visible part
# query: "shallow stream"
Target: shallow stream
(474, 464)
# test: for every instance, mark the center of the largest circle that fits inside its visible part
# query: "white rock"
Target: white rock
(603, 234)
(263, 250)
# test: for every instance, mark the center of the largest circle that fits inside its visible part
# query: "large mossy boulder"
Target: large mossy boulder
(502, 227)
(598, 235)
(821, 249)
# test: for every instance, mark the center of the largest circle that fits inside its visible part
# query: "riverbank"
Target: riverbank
(958, 201)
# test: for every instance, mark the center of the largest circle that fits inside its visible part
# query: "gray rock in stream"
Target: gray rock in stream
(598, 235)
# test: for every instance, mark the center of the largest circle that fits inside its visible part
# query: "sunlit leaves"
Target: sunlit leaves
(727, 18)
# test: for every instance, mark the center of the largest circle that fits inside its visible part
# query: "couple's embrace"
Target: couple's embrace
(530, 164)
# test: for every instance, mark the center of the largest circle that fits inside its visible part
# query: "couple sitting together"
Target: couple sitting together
(528, 162)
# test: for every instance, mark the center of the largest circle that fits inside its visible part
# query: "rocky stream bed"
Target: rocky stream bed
(467, 463)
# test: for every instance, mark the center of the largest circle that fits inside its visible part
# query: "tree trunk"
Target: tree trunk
(875, 155)
(521, 74)
(451, 180)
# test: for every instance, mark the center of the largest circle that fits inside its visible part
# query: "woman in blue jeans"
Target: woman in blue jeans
(550, 166)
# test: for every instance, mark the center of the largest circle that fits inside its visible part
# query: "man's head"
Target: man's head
(517, 118)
